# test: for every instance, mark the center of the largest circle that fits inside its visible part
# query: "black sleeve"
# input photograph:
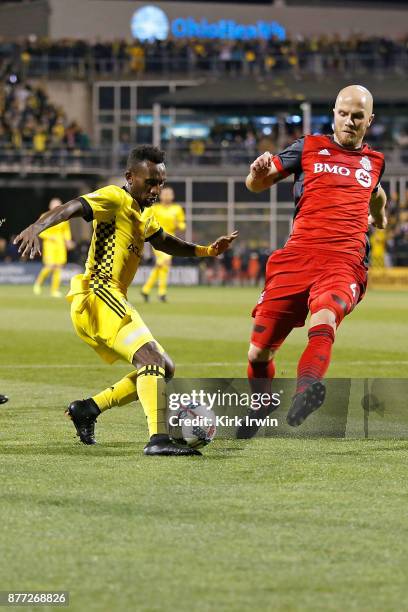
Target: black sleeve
(379, 179)
(289, 160)
(87, 209)
(155, 235)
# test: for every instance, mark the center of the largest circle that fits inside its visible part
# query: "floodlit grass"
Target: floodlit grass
(271, 524)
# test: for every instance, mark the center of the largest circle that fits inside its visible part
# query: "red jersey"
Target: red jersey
(332, 191)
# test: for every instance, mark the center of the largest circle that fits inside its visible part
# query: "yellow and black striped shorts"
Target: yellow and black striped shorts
(105, 320)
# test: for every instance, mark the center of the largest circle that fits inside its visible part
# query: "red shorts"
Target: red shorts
(298, 281)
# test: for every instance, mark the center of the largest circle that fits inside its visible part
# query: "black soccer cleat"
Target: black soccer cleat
(145, 296)
(3, 399)
(162, 445)
(83, 414)
(163, 298)
(249, 426)
(305, 403)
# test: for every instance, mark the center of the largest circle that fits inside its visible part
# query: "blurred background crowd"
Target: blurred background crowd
(301, 55)
(31, 122)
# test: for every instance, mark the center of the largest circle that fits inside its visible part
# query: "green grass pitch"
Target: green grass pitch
(273, 524)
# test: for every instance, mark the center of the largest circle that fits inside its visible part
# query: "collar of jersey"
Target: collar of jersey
(359, 150)
(141, 208)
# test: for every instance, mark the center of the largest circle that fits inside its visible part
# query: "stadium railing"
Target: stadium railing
(307, 64)
(106, 159)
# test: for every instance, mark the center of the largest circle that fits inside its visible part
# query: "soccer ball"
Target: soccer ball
(193, 425)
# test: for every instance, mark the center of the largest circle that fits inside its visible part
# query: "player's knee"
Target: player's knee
(324, 317)
(169, 366)
(149, 354)
(329, 308)
(256, 353)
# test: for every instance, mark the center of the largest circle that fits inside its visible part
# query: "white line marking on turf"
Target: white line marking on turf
(41, 366)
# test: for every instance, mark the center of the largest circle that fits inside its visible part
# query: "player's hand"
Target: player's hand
(380, 222)
(29, 243)
(223, 242)
(261, 166)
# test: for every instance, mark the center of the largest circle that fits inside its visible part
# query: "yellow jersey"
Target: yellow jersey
(120, 229)
(171, 217)
(54, 249)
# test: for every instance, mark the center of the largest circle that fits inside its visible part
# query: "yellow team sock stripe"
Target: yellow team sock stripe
(151, 370)
(152, 394)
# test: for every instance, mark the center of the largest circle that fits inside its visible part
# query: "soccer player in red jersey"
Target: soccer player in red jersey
(323, 266)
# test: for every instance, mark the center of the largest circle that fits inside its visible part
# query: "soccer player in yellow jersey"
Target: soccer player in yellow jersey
(171, 219)
(56, 241)
(122, 221)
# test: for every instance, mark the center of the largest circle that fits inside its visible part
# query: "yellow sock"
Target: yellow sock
(151, 389)
(163, 276)
(120, 394)
(56, 280)
(151, 281)
(42, 275)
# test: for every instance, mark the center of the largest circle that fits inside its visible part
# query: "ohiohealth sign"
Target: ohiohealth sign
(151, 23)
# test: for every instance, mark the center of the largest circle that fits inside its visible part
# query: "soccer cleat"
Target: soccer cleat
(162, 445)
(3, 399)
(37, 289)
(305, 403)
(163, 298)
(145, 296)
(83, 414)
(249, 427)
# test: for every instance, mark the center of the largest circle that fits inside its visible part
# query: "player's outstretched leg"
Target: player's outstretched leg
(83, 414)
(267, 336)
(313, 365)
(260, 371)
(150, 367)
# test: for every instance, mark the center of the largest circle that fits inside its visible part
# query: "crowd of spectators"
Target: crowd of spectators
(315, 55)
(29, 122)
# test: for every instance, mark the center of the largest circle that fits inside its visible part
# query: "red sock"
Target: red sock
(315, 360)
(260, 375)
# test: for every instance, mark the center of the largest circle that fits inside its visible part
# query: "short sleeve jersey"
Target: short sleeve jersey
(54, 241)
(120, 229)
(332, 191)
(171, 218)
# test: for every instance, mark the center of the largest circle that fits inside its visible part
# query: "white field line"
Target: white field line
(40, 366)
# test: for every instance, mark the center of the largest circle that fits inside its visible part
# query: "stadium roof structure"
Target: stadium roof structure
(258, 92)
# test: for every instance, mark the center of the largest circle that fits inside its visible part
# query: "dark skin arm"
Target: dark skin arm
(28, 238)
(176, 246)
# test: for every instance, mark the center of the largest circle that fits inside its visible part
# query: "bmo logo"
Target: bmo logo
(363, 177)
(331, 169)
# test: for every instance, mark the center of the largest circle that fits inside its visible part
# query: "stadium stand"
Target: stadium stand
(299, 56)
